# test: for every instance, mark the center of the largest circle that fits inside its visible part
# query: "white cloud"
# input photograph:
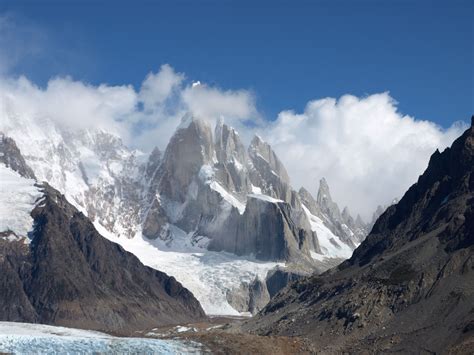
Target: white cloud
(164, 97)
(368, 152)
(159, 87)
(72, 104)
(212, 102)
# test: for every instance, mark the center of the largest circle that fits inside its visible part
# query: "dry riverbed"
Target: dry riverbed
(218, 337)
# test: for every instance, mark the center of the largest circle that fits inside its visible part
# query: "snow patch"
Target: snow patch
(265, 198)
(18, 197)
(228, 196)
(256, 190)
(330, 244)
(206, 173)
(238, 165)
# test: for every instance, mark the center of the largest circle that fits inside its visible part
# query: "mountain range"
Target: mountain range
(205, 193)
(95, 235)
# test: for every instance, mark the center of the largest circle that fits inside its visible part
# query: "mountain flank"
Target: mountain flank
(409, 287)
(65, 273)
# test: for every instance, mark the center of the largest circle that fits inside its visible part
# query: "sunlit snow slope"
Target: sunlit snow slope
(207, 274)
(331, 245)
(18, 197)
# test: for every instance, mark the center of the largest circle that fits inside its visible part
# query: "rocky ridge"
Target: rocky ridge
(242, 200)
(409, 286)
(68, 274)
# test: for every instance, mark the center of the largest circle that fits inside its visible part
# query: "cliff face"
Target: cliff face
(69, 275)
(409, 287)
(11, 157)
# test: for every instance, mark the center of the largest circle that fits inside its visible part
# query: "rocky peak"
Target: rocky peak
(440, 200)
(323, 192)
(377, 213)
(359, 221)
(261, 150)
(189, 149)
(308, 200)
(231, 170)
(106, 145)
(346, 216)
(153, 163)
(228, 144)
(268, 173)
(326, 203)
(10, 156)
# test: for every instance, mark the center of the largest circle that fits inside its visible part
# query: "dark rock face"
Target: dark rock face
(409, 287)
(232, 158)
(189, 148)
(71, 276)
(153, 163)
(279, 278)
(10, 156)
(249, 297)
(269, 230)
(338, 223)
(268, 172)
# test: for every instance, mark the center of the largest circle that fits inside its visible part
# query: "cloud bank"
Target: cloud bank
(366, 149)
(368, 152)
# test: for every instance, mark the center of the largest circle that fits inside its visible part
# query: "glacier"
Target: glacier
(209, 275)
(28, 338)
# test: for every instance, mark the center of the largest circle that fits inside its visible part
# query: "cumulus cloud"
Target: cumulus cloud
(145, 118)
(212, 102)
(72, 104)
(166, 96)
(368, 151)
(159, 87)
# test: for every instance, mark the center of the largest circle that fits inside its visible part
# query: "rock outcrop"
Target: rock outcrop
(270, 230)
(249, 297)
(10, 156)
(231, 169)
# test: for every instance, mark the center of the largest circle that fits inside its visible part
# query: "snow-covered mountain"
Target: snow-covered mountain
(206, 201)
(57, 269)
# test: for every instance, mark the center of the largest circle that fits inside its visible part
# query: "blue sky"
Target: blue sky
(100, 64)
(285, 52)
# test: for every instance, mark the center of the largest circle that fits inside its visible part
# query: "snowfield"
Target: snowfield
(331, 245)
(27, 338)
(18, 197)
(209, 275)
